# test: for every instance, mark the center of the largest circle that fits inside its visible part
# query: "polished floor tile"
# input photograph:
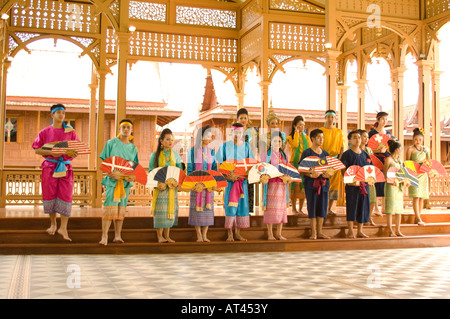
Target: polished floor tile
(357, 274)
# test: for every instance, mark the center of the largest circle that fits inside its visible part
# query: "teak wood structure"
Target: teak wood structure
(232, 37)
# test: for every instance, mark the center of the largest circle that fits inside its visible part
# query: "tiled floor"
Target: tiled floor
(367, 274)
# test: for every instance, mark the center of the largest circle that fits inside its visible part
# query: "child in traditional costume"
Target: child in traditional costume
(236, 199)
(419, 154)
(394, 192)
(57, 173)
(165, 197)
(276, 190)
(117, 186)
(298, 142)
(201, 206)
(357, 193)
(333, 143)
(273, 125)
(250, 137)
(316, 187)
(381, 153)
(372, 189)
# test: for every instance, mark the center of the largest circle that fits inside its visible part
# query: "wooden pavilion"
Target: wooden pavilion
(232, 37)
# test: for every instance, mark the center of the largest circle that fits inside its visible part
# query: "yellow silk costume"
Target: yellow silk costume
(333, 142)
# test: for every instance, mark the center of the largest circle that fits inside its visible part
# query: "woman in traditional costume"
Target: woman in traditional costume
(117, 186)
(201, 205)
(165, 197)
(382, 152)
(298, 142)
(57, 173)
(394, 192)
(419, 154)
(276, 190)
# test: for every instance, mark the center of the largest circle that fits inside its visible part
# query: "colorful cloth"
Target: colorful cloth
(393, 200)
(382, 157)
(274, 158)
(201, 205)
(228, 151)
(357, 197)
(57, 192)
(117, 191)
(165, 203)
(276, 210)
(333, 142)
(298, 144)
(421, 191)
(372, 189)
(316, 202)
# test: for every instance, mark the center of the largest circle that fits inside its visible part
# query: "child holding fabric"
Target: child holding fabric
(298, 142)
(165, 197)
(117, 186)
(201, 206)
(276, 191)
(57, 173)
(419, 154)
(236, 199)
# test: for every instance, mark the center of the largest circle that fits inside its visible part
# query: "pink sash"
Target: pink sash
(199, 167)
(236, 193)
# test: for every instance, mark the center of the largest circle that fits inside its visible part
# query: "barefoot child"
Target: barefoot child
(418, 153)
(165, 197)
(201, 204)
(115, 205)
(394, 192)
(276, 194)
(236, 199)
(316, 187)
(357, 193)
(57, 173)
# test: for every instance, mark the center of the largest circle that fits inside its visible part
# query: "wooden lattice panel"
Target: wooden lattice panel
(251, 44)
(148, 11)
(295, 5)
(250, 13)
(408, 9)
(55, 15)
(436, 7)
(296, 37)
(206, 17)
(177, 46)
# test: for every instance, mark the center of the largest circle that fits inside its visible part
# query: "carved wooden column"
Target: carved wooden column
(361, 83)
(240, 100)
(331, 74)
(342, 102)
(6, 63)
(397, 105)
(92, 118)
(424, 103)
(436, 114)
(122, 65)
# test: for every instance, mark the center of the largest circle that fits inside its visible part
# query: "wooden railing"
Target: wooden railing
(23, 187)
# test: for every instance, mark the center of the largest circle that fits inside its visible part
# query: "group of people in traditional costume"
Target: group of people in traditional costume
(321, 191)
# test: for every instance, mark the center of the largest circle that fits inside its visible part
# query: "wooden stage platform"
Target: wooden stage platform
(22, 231)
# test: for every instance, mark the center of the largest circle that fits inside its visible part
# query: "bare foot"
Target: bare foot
(103, 241)
(162, 240)
(391, 234)
(64, 234)
(362, 235)
(51, 230)
(118, 240)
(206, 240)
(313, 236)
(200, 240)
(350, 235)
(399, 234)
(170, 240)
(281, 238)
(331, 213)
(323, 236)
(271, 238)
(239, 237)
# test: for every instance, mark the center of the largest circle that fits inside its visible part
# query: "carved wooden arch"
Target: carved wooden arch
(408, 39)
(231, 74)
(344, 65)
(23, 45)
(245, 69)
(279, 65)
(104, 7)
(437, 28)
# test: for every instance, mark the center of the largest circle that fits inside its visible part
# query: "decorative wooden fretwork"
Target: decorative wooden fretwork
(251, 44)
(408, 9)
(436, 7)
(206, 17)
(296, 37)
(180, 47)
(295, 5)
(148, 11)
(55, 16)
(251, 12)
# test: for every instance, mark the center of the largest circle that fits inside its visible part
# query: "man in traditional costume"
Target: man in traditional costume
(117, 185)
(333, 143)
(57, 173)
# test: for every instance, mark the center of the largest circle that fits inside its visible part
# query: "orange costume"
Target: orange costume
(333, 142)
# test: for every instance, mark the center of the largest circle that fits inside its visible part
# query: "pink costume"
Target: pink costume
(56, 192)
